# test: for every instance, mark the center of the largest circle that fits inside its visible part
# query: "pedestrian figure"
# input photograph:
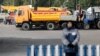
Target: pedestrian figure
(70, 40)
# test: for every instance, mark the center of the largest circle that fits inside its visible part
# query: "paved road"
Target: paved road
(13, 41)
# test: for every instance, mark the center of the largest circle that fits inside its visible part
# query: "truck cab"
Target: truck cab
(93, 17)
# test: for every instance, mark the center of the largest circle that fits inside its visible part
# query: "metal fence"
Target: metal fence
(57, 50)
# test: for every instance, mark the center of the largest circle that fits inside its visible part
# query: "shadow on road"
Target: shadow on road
(16, 44)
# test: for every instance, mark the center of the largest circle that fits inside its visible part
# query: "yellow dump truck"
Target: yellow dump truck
(44, 17)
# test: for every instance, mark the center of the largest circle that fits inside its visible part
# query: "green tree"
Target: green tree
(22, 2)
(46, 3)
(57, 3)
(1, 1)
(5, 2)
(97, 2)
(84, 3)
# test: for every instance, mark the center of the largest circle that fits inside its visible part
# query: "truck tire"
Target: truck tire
(86, 26)
(63, 25)
(80, 25)
(26, 26)
(50, 26)
(98, 24)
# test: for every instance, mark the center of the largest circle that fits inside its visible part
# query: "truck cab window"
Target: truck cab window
(20, 12)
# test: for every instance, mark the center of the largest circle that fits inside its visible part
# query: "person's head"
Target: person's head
(69, 25)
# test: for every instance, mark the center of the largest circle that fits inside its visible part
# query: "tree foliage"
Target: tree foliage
(46, 3)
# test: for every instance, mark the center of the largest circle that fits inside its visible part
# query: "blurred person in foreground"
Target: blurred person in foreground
(70, 40)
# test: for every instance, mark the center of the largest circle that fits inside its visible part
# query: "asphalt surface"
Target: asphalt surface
(13, 41)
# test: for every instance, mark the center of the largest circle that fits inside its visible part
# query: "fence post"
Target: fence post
(32, 50)
(89, 50)
(40, 51)
(28, 51)
(48, 50)
(97, 50)
(56, 50)
(81, 49)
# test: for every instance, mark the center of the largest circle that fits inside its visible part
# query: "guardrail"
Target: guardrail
(57, 50)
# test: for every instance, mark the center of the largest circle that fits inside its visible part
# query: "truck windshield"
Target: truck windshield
(19, 12)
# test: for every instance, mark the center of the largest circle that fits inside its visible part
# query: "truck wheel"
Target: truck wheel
(80, 25)
(26, 26)
(63, 25)
(86, 26)
(98, 24)
(50, 26)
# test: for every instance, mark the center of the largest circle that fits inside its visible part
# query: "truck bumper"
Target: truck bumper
(18, 25)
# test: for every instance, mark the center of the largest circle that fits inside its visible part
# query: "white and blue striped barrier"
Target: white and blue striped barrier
(57, 50)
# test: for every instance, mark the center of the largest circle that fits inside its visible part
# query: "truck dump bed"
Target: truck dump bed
(46, 15)
(68, 17)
